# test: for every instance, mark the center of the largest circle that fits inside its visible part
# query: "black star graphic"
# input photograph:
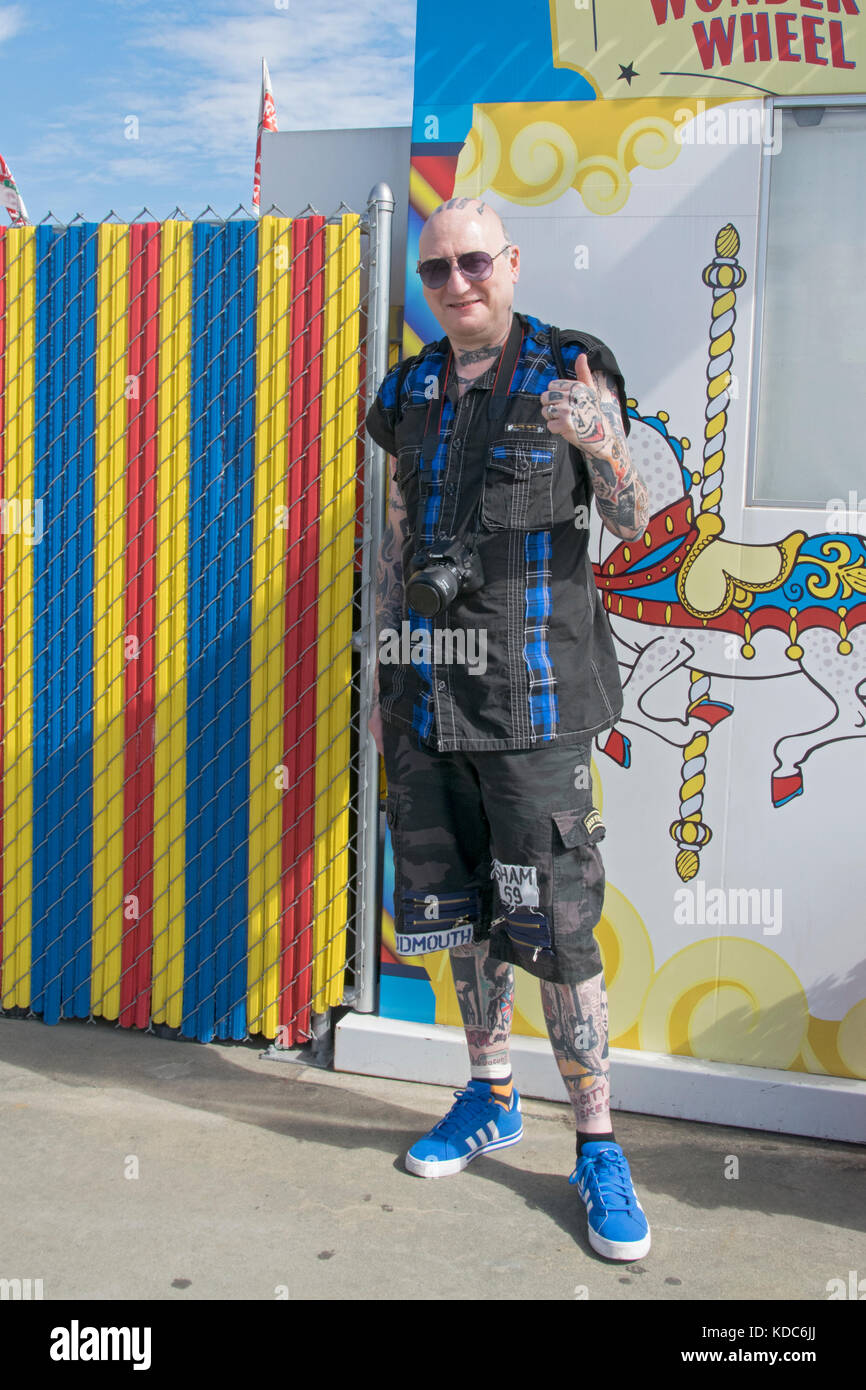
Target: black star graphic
(627, 73)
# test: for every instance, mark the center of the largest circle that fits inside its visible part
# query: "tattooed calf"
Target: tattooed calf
(485, 995)
(576, 1017)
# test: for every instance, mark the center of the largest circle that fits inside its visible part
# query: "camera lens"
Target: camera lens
(432, 590)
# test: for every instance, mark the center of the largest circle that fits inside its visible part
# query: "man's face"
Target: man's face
(472, 312)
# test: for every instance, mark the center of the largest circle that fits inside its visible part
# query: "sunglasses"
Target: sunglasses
(475, 265)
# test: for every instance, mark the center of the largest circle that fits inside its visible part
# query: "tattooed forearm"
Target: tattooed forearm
(576, 1017)
(620, 495)
(389, 572)
(590, 417)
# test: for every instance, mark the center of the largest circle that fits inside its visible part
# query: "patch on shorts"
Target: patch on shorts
(517, 883)
(421, 943)
(591, 820)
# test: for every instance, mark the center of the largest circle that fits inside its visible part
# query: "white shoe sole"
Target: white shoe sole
(616, 1249)
(442, 1168)
(619, 1250)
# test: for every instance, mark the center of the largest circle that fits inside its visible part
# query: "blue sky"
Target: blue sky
(75, 71)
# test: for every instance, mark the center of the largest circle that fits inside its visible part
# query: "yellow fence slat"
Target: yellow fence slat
(267, 785)
(336, 552)
(169, 872)
(19, 489)
(344, 581)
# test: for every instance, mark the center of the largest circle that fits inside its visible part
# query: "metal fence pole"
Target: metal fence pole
(380, 207)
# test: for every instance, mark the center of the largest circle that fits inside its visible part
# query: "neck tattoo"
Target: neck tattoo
(486, 353)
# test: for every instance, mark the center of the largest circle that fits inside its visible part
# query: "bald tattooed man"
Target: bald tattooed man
(496, 671)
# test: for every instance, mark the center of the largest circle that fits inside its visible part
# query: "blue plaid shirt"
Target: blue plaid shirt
(529, 658)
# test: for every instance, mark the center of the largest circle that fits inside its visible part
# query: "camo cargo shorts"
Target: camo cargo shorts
(500, 845)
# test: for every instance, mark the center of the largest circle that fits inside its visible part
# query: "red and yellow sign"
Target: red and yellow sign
(711, 47)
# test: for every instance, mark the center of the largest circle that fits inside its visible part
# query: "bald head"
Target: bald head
(469, 219)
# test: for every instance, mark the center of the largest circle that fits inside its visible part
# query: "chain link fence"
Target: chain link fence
(189, 792)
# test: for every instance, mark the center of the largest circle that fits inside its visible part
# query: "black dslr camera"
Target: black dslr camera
(442, 571)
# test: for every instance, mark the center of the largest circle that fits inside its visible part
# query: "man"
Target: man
(502, 431)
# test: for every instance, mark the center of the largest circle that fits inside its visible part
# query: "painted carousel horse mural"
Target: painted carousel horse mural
(682, 597)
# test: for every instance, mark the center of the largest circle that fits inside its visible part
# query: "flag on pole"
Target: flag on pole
(10, 198)
(267, 121)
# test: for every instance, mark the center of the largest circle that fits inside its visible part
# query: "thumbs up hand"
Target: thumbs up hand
(572, 409)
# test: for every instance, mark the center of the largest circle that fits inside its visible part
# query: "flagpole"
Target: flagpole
(267, 121)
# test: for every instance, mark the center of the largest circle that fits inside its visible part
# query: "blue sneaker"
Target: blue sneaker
(618, 1227)
(475, 1124)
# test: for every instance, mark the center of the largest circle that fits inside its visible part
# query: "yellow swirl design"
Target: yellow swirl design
(534, 152)
(726, 1000)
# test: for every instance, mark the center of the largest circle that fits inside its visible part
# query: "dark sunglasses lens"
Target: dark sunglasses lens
(434, 274)
(475, 265)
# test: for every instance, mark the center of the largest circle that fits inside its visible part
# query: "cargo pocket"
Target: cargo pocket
(518, 486)
(578, 870)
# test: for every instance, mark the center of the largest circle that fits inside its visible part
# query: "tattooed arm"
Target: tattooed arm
(389, 587)
(587, 413)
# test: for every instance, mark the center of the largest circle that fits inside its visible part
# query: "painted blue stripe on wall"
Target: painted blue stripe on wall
(63, 575)
(219, 626)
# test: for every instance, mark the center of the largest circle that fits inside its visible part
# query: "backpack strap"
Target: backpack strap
(556, 350)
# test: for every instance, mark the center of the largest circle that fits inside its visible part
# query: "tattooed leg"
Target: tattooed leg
(576, 1017)
(485, 994)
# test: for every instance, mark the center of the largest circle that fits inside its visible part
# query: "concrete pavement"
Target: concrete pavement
(143, 1168)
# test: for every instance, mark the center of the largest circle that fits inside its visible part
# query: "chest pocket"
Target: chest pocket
(518, 485)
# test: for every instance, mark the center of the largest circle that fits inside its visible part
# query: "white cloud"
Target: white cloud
(198, 111)
(327, 71)
(12, 21)
(326, 62)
